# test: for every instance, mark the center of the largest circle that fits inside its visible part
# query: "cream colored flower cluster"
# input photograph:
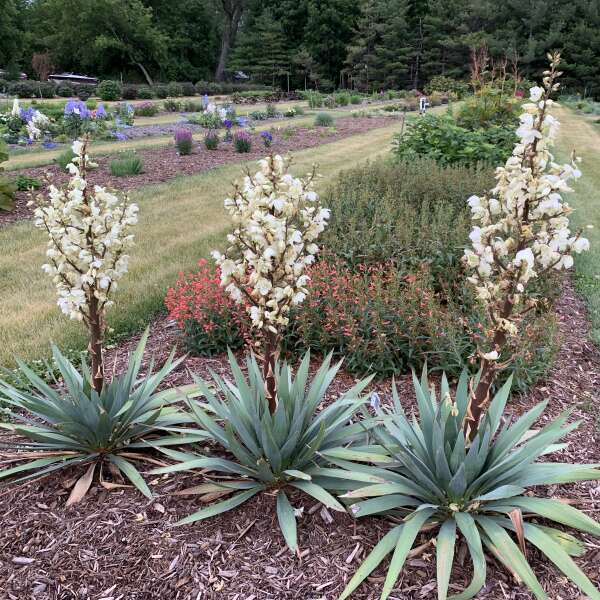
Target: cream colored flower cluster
(89, 234)
(37, 125)
(522, 226)
(277, 220)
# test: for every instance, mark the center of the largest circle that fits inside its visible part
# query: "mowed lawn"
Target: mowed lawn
(180, 222)
(583, 135)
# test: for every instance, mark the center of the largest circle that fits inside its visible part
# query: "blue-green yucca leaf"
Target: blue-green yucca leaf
(557, 554)
(287, 520)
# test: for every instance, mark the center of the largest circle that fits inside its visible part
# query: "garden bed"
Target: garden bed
(162, 164)
(119, 545)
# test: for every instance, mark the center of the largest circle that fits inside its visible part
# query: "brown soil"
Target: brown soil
(165, 163)
(118, 545)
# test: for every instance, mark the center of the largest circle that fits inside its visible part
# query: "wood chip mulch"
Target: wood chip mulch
(163, 164)
(120, 546)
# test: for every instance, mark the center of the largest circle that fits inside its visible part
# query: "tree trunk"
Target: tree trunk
(145, 73)
(233, 10)
(95, 347)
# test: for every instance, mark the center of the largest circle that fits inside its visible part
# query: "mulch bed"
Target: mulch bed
(120, 546)
(165, 163)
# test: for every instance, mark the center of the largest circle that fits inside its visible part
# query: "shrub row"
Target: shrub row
(388, 289)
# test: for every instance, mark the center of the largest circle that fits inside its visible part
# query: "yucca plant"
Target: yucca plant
(69, 424)
(270, 452)
(434, 481)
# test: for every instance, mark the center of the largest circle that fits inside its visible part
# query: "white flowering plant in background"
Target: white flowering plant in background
(277, 219)
(521, 231)
(89, 231)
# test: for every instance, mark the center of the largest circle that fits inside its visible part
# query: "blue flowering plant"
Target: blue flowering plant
(79, 120)
(267, 138)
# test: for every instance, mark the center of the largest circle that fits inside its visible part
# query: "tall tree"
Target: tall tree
(232, 12)
(262, 50)
(10, 33)
(329, 29)
(99, 35)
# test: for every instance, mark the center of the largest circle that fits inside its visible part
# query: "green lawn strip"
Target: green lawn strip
(583, 136)
(181, 221)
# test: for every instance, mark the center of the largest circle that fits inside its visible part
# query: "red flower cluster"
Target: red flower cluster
(209, 318)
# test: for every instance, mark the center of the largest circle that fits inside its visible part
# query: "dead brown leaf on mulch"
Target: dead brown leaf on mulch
(119, 545)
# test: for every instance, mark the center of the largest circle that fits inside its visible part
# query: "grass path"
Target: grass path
(583, 136)
(181, 221)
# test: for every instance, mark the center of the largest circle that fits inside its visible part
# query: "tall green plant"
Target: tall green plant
(434, 481)
(70, 424)
(271, 452)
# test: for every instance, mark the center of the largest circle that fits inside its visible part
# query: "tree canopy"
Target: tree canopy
(370, 44)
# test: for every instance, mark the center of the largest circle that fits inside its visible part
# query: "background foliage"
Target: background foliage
(370, 44)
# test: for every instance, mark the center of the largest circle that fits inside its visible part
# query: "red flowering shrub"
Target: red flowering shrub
(210, 320)
(376, 318)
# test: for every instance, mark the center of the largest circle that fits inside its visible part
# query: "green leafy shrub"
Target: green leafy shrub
(91, 103)
(323, 119)
(85, 91)
(315, 99)
(145, 93)
(445, 85)
(355, 99)
(175, 89)
(342, 98)
(25, 183)
(128, 163)
(64, 158)
(171, 105)
(270, 452)
(191, 106)
(271, 110)
(206, 120)
(488, 109)
(434, 481)
(211, 140)
(146, 109)
(129, 92)
(441, 138)
(161, 91)
(64, 90)
(109, 90)
(73, 425)
(188, 88)
(412, 214)
(7, 187)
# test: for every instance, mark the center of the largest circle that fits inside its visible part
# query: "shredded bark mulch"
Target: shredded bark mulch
(163, 164)
(120, 546)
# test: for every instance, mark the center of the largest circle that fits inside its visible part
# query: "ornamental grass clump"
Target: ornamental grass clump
(520, 233)
(184, 141)
(434, 483)
(242, 142)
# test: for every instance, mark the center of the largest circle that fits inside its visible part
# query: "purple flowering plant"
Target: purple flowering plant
(267, 138)
(183, 140)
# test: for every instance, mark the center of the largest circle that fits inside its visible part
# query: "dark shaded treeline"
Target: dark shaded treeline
(318, 43)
